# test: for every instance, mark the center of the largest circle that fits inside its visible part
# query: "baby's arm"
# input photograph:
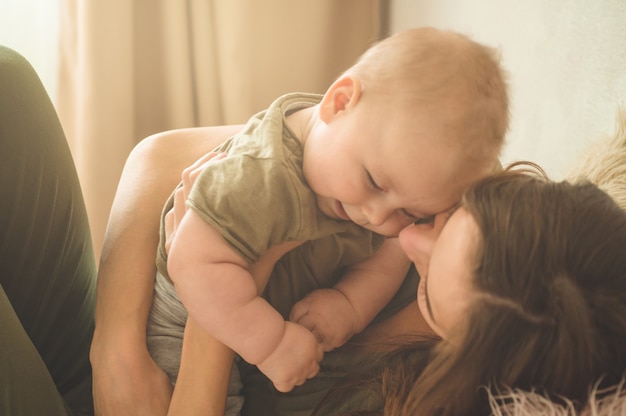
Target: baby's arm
(215, 285)
(335, 315)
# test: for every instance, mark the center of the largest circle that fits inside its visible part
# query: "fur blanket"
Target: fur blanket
(609, 402)
(604, 163)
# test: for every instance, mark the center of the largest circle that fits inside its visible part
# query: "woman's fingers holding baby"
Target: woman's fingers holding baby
(189, 176)
(172, 219)
(191, 173)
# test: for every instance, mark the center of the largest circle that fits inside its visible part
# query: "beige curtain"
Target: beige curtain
(129, 69)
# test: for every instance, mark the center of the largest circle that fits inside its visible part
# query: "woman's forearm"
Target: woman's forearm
(205, 365)
(126, 272)
(125, 376)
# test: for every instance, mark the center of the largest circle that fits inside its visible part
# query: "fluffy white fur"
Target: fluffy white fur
(604, 163)
(609, 402)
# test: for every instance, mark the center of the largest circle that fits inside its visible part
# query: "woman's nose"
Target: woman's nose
(418, 240)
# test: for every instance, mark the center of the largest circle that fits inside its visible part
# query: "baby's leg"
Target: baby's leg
(166, 326)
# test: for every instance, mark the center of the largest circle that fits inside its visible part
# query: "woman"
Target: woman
(526, 286)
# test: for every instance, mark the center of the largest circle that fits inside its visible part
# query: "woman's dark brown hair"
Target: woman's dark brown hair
(548, 309)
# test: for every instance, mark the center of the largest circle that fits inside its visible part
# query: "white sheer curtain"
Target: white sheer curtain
(31, 27)
(133, 68)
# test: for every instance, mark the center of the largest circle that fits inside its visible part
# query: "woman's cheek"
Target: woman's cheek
(415, 245)
(421, 304)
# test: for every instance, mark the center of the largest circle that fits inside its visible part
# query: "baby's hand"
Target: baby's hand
(328, 314)
(295, 360)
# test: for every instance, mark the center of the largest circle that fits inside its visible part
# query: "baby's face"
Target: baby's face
(384, 172)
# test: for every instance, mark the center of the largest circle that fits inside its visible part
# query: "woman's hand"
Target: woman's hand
(189, 176)
(126, 381)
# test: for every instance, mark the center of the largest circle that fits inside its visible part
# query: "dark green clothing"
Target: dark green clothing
(47, 267)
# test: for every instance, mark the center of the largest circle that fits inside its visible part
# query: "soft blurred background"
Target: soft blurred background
(120, 70)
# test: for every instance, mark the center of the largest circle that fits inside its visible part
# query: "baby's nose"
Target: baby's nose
(376, 214)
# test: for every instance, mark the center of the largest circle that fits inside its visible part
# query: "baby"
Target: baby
(394, 140)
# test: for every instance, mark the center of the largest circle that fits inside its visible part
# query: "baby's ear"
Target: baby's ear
(342, 95)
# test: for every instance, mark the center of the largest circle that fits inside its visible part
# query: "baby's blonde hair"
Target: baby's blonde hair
(604, 162)
(445, 73)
